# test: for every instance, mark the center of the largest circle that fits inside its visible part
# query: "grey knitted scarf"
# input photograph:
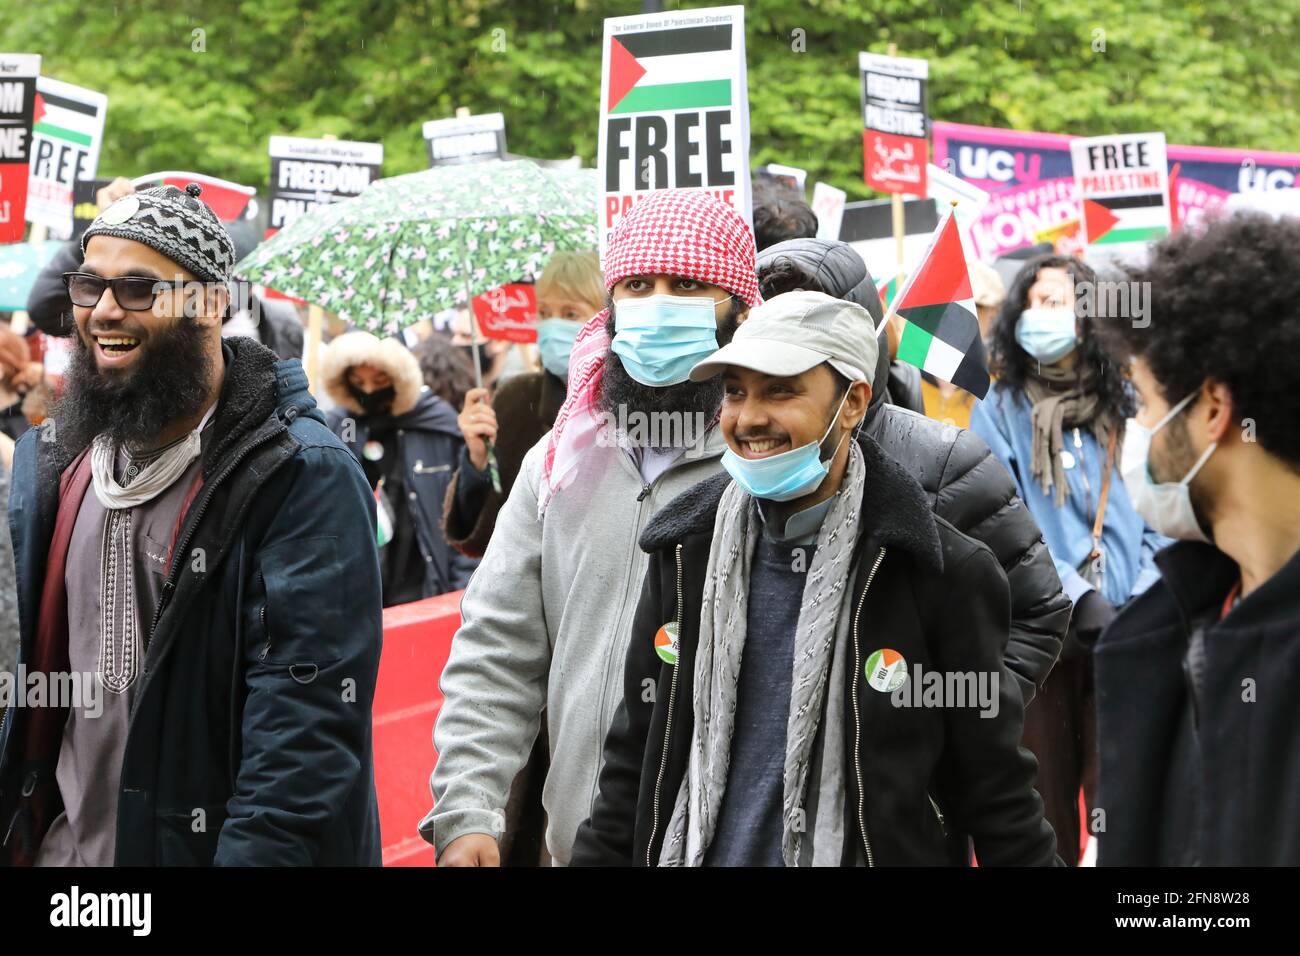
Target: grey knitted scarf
(814, 822)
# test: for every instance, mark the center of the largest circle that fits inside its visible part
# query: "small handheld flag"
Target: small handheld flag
(384, 528)
(941, 332)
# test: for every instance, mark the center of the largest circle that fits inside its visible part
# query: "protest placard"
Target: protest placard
(18, 73)
(307, 173)
(674, 109)
(895, 127)
(1123, 186)
(828, 205)
(230, 202)
(508, 312)
(1031, 180)
(792, 176)
(465, 139)
(67, 132)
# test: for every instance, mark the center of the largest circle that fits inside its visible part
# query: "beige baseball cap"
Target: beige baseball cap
(789, 334)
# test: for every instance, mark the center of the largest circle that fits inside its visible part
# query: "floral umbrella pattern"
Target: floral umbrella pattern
(412, 246)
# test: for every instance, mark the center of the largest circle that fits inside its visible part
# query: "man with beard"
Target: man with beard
(190, 537)
(1197, 679)
(546, 617)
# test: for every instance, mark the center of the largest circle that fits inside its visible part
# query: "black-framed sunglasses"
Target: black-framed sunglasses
(133, 293)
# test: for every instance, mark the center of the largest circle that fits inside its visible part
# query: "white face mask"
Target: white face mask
(1166, 506)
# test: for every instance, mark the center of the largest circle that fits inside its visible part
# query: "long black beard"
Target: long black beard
(618, 389)
(169, 382)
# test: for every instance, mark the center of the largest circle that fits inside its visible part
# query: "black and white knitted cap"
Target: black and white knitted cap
(176, 223)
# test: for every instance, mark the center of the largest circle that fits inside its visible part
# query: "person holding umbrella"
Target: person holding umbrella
(545, 616)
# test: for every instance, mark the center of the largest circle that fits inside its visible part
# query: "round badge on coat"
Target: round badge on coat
(886, 670)
(666, 643)
(373, 450)
(1067, 459)
(120, 211)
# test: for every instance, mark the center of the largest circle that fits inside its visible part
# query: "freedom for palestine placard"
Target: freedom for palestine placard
(674, 109)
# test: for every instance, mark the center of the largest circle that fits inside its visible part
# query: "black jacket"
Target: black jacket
(1246, 731)
(967, 486)
(259, 672)
(923, 779)
(429, 441)
(964, 482)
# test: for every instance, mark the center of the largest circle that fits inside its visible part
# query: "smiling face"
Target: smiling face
(766, 415)
(119, 338)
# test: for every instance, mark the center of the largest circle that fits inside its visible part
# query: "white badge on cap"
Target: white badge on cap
(121, 211)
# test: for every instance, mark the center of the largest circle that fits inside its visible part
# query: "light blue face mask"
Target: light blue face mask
(555, 342)
(1047, 334)
(660, 337)
(791, 474)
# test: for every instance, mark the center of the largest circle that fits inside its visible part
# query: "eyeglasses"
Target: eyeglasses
(134, 293)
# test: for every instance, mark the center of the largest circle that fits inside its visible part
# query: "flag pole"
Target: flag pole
(494, 470)
(900, 232)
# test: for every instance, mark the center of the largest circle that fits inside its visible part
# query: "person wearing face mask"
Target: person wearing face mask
(1055, 419)
(407, 442)
(569, 292)
(786, 601)
(544, 621)
(1197, 680)
(523, 408)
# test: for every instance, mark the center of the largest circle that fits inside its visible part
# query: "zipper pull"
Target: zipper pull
(644, 491)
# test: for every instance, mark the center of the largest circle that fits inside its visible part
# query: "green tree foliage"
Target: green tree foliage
(197, 84)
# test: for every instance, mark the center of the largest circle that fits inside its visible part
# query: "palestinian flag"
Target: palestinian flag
(1114, 219)
(658, 70)
(887, 290)
(66, 119)
(228, 200)
(941, 333)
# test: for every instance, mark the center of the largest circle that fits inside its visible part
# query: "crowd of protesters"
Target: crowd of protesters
(700, 650)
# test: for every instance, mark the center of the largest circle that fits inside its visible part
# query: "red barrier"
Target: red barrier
(417, 640)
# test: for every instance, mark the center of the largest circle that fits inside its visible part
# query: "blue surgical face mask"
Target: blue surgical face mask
(1047, 334)
(555, 342)
(660, 337)
(791, 474)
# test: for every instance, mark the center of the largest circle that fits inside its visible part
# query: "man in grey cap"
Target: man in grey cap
(197, 565)
(825, 652)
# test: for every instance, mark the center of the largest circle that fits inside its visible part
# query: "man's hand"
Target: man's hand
(473, 849)
(478, 423)
(113, 192)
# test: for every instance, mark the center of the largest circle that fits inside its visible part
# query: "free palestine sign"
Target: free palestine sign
(67, 131)
(1123, 184)
(674, 109)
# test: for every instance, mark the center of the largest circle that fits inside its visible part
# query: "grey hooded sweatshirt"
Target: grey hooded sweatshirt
(544, 624)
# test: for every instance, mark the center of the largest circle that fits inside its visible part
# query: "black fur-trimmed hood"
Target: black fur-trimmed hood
(895, 512)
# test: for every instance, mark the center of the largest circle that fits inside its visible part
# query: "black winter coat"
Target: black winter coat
(429, 441)
(259, 671)
(921, 779)
(1247, 764)
(967, 486)
(963, 481)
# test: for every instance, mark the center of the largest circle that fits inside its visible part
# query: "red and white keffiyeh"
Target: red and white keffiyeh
(690, 234)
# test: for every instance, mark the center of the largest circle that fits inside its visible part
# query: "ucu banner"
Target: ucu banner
(1031, 180)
